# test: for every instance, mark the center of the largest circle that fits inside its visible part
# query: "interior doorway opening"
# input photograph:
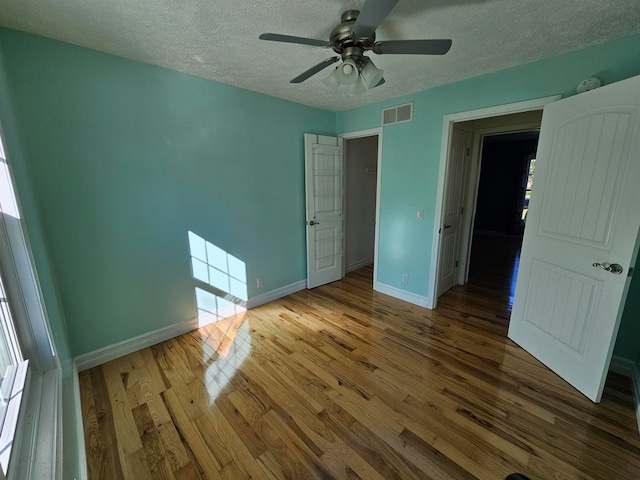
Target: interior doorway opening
(517, 118)
(362, 159)
(361, 171)
(507, 169)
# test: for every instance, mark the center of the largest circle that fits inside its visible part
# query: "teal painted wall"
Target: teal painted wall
(116, 160)
(44, 271)
(411, 151)
(125, 158)
(628, 342)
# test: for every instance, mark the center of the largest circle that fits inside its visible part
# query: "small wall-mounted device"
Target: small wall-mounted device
(587, 84)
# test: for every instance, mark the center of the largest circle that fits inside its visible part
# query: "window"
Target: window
(13, 369)
(528, 186)
(25, 347)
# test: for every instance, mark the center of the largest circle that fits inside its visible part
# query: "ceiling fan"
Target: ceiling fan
(355, 35)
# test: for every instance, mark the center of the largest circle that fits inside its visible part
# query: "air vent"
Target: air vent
(399, 114)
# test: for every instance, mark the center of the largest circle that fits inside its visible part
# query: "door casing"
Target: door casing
(360, 134)
(447, 130)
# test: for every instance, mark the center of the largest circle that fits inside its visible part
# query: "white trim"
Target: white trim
(629, 368)
(37, 442)
(49, 429)
(41, 410)
(10, 421)
(447, 127)
(20, 465)
(401, 294)
(359, 264)
(77, 400)
(370, 133)
(117, 350)
(272, 295)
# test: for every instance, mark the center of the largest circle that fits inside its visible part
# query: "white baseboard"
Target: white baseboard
(117, 350)
(401, 294)
(267, 297)
(359, 264)
(629, 368)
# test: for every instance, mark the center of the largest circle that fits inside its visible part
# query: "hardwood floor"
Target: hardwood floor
(344, 382)
(493, 267)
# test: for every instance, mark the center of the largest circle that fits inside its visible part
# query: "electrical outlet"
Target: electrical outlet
(405, 278)
(420, 214)
(259, 282)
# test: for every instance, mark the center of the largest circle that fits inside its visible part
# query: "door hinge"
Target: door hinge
(456, 263)
(461, 210)
(630, 272)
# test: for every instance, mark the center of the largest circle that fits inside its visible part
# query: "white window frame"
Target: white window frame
(37, 423)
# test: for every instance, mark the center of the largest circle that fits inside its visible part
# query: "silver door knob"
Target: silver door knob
(611, 268)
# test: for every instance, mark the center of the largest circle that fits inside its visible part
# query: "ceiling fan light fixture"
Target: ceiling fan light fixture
(371, 75)
(351, 39)
(348, 73)
(332, 80)
(358, 88)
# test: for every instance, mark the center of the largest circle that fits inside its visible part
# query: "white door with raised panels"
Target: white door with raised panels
(452, 215)
(324, 180)
(581, 236)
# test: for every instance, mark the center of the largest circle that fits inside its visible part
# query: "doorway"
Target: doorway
(362, 159)
(513, 118)
(361, 170)
(507, 167)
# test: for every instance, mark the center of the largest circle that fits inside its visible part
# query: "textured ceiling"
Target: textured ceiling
(218, 39)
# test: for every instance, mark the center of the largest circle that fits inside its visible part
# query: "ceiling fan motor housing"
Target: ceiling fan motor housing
(345, 44)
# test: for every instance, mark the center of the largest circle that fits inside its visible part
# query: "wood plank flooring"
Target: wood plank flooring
(493, 267)
(347, 383)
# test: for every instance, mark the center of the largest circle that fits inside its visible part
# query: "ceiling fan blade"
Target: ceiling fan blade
(371, 15)
(275, 37)
(413, 47)
(315, 69)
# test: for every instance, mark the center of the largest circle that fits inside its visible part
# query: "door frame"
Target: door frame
(351, 136)
(447, 127)
(471, 201)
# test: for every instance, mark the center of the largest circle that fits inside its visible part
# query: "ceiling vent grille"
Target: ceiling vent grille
(399, 114)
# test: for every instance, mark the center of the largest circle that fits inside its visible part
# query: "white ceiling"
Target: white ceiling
(218, 39)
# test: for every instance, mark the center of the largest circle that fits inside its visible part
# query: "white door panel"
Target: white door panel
(584, 209)
(324, 201)
(452, 215)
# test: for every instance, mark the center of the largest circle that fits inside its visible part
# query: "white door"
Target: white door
(324, 200)
(584, 210)
(452, 215)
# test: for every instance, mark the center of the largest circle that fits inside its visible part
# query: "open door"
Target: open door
(452, 215)
(324, 201)
(581, 237)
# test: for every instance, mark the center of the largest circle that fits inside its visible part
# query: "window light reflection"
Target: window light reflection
(220, 301)
(224, 273)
